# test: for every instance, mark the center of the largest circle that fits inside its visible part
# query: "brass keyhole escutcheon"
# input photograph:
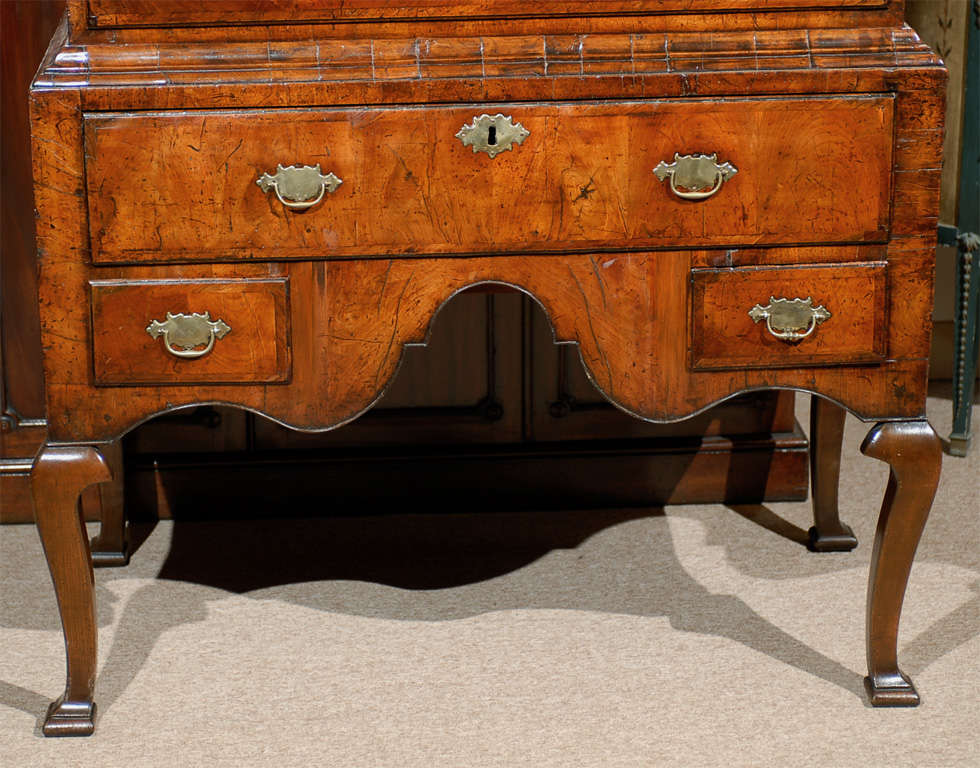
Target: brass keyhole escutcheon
(492, 134)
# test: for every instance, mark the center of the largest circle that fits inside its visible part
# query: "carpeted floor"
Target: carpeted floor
(691, 636)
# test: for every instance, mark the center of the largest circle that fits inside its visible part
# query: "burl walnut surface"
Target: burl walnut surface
(151, 128)
(581, 180)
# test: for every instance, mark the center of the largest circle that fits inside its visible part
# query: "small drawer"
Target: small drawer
(190, 331)
(381, 182)
(776, 316)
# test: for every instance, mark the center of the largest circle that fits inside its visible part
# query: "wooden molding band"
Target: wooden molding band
(459, 58)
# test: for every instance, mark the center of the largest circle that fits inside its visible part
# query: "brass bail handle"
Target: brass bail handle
(695, 177)
(182, 334)
(299, 187)
(790, 320)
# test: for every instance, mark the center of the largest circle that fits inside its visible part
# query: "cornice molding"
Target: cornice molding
(375, 61)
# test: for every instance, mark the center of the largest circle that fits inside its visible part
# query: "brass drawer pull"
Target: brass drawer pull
(492, 134)
(695, 177)
(790, 319)
(299, 187)
(188, 332)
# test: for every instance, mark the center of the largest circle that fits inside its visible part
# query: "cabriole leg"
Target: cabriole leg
(110, 547)
(828, 533)
(914, 454)
(59, 476)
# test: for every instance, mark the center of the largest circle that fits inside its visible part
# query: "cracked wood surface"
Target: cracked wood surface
(591, 222)
(351, 319)
(180, 187)
(833, 116)
(255, 350)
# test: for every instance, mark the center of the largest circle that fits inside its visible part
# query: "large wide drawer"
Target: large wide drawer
(788, 316)
(190, 331)
(183, 186)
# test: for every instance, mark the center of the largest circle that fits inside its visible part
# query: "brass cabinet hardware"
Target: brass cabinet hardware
(790, 319)
(188, 332)
(492, 134)
(695, 177)
(299, 187)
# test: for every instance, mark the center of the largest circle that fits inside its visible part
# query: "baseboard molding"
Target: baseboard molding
(578, 475)
(18, 448)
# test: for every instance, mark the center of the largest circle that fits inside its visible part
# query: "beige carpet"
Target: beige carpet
(698, 636)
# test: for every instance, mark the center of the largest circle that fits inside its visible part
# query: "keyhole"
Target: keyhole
(492, 135)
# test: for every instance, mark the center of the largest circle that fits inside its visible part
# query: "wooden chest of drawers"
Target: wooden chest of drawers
(262, 203)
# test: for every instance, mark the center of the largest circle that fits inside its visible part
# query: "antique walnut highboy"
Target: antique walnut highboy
(262, 202)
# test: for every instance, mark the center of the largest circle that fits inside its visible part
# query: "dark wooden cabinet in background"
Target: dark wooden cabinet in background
(26, 27)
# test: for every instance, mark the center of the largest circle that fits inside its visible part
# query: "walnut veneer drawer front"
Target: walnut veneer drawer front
(190, 332)
(768, 317)
(183, 186)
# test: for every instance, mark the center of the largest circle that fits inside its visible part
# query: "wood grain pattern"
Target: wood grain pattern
(723, 335)
(255, 350)
(294, 72)
(109, 13)
(828, 533)
(831, 111)
(694, 15)
(894, 390)
(105, 502)
(18, 447)
(60, 474)
(26, 29)
(914, 455)
(337, 72)
(182, 187)
(351, 319)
